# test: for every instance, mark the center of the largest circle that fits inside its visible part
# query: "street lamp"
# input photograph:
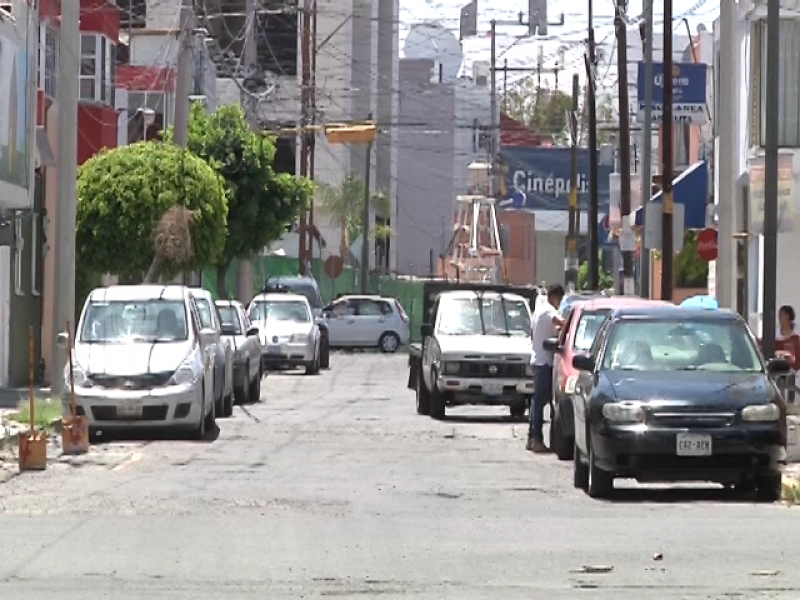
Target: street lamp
(148, 118)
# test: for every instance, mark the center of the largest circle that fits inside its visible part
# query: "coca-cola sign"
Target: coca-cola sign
(707, 246)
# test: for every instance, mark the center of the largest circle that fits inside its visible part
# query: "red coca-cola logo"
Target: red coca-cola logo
(707, 246)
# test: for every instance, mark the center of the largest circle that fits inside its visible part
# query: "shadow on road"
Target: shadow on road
(152, 435)
(484, 419)
(682, 495)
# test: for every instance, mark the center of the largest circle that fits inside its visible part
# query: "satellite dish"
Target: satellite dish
(434, 41)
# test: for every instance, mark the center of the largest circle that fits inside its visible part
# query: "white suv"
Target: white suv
(367, 321)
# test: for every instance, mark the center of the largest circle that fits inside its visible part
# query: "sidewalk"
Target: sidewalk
(11, 397)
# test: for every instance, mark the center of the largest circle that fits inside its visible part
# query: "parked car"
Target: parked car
(141, 359)
(582, 320)
(289, 334)
(367, 321)
(308, 287)
(223, 351)
(656, 402)
(243, 336)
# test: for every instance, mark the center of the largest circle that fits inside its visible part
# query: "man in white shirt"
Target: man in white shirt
(545, 324)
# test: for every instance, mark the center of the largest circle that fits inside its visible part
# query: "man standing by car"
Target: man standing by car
(546, 322)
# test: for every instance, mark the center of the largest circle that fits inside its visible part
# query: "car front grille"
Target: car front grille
(494, 369)
(138, 382)
(149, 413)
(692, 420)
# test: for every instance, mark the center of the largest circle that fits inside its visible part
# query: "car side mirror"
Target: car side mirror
(426, 329)
(583, 362)
(551, 345)
(63, 340)
(208, 336)
(252, 331)
(778, 366)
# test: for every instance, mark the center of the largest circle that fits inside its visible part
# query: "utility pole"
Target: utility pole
(365, 221)
(591, 79)
(64, 250)
(305, 85)
(571, 263)
(245, 273)
(312, 139)
(771, 179)
(647, 142)
(627, 240)
(494, 127)
(667, 249)
(183, 75)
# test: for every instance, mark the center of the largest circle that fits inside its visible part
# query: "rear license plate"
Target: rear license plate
(129, 411)
(273, 349)
(692, 444)
(493, 389)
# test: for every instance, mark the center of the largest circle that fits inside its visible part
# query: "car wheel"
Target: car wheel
(423, 396)
(580, 474)
(325, 355)
(437, 407)
(240, 394)
(769, 488)
(389, 342)
(518, 412)
(601, 483)
(219, 404)
(228, 405)
(199, 432)
(560, 444)
(254, 389)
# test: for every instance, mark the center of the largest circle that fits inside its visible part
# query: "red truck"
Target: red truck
(581, 323)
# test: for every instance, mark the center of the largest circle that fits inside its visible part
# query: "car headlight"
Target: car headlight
(761, 413)
(624, 412)
(78, 376)
(299, 338)
(183, 375)
(569, 385)
(451, 368)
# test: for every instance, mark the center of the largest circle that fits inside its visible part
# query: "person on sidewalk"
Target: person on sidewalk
(546, 322)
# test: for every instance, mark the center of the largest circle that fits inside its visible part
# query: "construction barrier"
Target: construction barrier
(75, 427)
(33, 444)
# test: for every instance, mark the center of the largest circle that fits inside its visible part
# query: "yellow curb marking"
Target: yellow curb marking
(135, 457)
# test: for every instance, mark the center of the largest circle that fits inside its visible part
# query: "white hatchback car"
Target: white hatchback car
(288, 331)
(367, 321)
(141, 359)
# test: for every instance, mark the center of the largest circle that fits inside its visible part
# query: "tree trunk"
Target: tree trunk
(154, 272)
(222, 272)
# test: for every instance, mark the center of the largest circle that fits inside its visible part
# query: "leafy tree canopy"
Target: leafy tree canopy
(124, 192)
(544, 111)
(690, 270)
(606, 278)
(262, 204)
(343, 204)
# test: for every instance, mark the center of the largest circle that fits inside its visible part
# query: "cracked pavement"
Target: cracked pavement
(333, 486)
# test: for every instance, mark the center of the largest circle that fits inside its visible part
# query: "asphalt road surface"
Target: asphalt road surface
(332, 486)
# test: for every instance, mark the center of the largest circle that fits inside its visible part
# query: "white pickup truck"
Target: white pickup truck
(476, 349)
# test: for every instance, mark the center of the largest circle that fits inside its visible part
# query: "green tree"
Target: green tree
(691, 271)
(606, 278)
(262, 204)
(343, 205)
(125, 192)
(544, 111)
(606, 116)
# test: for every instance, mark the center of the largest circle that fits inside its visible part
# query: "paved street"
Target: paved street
(333, 486)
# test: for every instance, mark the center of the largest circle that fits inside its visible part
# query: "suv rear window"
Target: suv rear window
(587, 329)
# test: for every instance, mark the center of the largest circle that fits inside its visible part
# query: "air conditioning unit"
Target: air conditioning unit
(480, 73)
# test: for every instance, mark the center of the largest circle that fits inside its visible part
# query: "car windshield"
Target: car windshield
(123, 322)
(204, 308)
(230, 319)
(698, 344)
(587, 329)
(283, 310)
(484, 316)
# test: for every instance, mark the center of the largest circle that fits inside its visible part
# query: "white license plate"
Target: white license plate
(129, 411)
(274, 349)
(493, 389)
(693, 444)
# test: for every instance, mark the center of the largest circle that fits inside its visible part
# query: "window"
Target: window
(789, 92)
(121, 322)
(204, 308)
(48, 59)
(133, 14)
(484, 316)
(281, 310)
(98, 69)
(19, 249)
(587, 329)
(229, 316)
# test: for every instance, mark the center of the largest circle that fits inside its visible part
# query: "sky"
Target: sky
(524, 52)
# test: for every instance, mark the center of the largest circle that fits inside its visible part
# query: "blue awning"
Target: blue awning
(690, 188)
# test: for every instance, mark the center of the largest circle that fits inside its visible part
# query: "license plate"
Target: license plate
(274, 349)
(129, 411)
(493, 389)
(692, 444)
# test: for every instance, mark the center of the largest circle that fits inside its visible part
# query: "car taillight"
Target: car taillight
(400, 310)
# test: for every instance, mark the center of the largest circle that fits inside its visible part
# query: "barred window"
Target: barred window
(48, 59)
(789, 90)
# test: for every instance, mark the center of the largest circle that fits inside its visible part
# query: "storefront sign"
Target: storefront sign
(786, 201)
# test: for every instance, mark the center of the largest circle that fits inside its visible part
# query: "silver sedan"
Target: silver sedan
(243, 337)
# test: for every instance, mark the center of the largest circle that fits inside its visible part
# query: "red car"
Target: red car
(582, 321)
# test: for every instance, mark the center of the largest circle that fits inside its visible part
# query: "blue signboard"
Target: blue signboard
(689, 95)
(538, 178)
